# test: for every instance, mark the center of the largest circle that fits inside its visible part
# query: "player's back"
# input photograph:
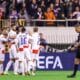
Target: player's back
(22, 39)
(35, 40)
(12, 33)
(35, 37)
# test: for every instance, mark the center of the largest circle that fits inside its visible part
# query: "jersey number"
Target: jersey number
(23, 41)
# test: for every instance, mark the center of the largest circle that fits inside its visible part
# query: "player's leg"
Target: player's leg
(16, 67)
(33, 67)
(2, 58)
(33, 64)
(76, 63)
(35, 55)
(15, 54)
(10, 62)
(21, 62)
(25, 66)
(29, 67)
(8, 66)
(1, 67)
(22, 67)
(28, 60)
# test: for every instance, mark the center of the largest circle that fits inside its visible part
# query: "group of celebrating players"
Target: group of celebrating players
(23, 49)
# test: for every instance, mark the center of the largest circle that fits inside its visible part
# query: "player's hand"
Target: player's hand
(72, 49)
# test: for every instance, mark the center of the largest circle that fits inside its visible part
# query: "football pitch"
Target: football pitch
(42, 75)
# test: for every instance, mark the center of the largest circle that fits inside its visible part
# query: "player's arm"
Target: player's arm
(74, 46)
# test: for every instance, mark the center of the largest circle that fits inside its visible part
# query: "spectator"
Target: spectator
(33, 8)
(13, 16)
(49, 15)
(70, 23)
(75, 4)
(39, 16)
(19, 4)
(70, 9)
(57, 8)
(65, 9)
(43, 6)
(22, 20)
(61, 17)
(39, 13)
(76, 13)
(2, 11)
(52, 7)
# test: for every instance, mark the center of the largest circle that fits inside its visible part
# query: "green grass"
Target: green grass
(42, 75)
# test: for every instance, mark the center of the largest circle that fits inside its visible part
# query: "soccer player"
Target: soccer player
(3, 40)
(12, 51)
(35, 48)
(23, 51)
(76, 47)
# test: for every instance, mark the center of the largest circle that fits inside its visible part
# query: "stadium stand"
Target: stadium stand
(36, 9)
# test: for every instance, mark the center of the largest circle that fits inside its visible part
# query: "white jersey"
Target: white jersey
(23, 39)
(2, 47)
(13, 49)
(23, 46)
(2, 38)
(35, 40)
(12, 34)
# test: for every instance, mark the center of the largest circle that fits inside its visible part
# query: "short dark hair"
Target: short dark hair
(35, 29)
(23, 29)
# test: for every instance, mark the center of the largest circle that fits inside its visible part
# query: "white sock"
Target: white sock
(1, 68)
(19, 67)
(25, 66)
(22, 68)
(34, 66)
(29, 66)
(16, 66)
(8, 65)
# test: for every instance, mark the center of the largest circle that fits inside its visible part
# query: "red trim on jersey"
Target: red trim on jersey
(25, 46)
(20, 49)
(3, 51)
(35, 51)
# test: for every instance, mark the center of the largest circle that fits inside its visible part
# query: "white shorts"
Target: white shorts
(13, 52)
(21, 56)
(35, 56)
(2, 57)
(27, 53)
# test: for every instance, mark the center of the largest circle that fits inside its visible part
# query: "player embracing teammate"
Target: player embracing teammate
(28, 51)
(23, 50)
(24, 54)
(3, 41)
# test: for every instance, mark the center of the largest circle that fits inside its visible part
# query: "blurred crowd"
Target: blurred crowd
(40, 9)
